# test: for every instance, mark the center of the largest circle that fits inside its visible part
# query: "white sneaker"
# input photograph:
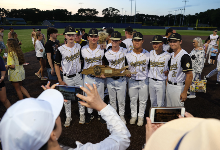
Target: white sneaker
(67, 122)
(140, 121)
(191, 96)
(82, 119)
(133, 120)
(123, 119)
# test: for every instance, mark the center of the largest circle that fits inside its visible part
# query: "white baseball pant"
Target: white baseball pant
(117, 88)
(138, 89)
(212, 73)
(173, 93)
(74, 81)
(100, 87)
(157, 92)
(208, 53)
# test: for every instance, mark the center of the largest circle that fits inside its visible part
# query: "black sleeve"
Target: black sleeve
(217, 38)
(148, 65)
(109, 48)
(126, 61)
(208, 38)
(169, 62)
(58, 58)
(48, 48)
(81, 59)
(105, 61)
(186, 63)
(123, 45)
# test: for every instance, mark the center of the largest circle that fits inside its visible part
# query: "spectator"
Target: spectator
(84, 34)
(43, 41)
(79, 39)
(15, 36)
(16, 73)
(197, 56)
(2, 45)
(39, 49)
(3, 96)
(214, 52)
(9, 33)
(184, 134)
(33, 34)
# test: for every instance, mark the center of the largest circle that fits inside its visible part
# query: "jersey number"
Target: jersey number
(174, 74)
(161, 71)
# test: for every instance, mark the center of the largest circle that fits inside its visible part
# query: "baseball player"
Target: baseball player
(68, 57)
(157, 66)
(33, 34)
(166, 46)
(127, 43)
(79, 39)
(138, 84)
(214, 40)
(115, 58)
(93, 55)
(108, 40)
(215, 71)
(180, 73)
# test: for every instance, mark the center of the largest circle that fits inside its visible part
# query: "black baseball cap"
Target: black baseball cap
(216, 30)
(70, 30)
(175, 36)
(157, 38)
(93, 31)
(129, 29)
(109, 31)
(138, 36)
(116, 36)
(169, 30)
(38, 29)
(78, 32)
(11, 28)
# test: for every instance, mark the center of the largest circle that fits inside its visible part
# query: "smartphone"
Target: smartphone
(165, 114)
(69, 92)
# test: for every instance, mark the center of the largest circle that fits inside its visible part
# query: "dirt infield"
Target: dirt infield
(205, 105)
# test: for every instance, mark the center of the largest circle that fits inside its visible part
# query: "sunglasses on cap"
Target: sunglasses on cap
(137, 40)
(93, 36)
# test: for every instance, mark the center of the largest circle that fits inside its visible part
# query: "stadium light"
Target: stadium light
(131, 9)
(169, 18)
(184, 10)
(122, 11)
(175, 17)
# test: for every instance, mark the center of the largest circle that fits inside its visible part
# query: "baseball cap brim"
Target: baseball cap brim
(174, 39)
(116, 39)
(157, 41)
(70, 33)
(55, 98)
(138, 38)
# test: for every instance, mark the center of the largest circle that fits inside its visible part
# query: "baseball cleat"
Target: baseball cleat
(140, 121)
(123, 119)
(191, 96)
(89, 118)
(82, 119)
(133, 120)
(67, 122)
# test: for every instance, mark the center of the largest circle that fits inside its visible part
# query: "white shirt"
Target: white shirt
(218, 62)
(129, 44)
(158, 64)
(119, 138)
(92, 57)
(166, 45)
(213, 39)
(116, 59)
(138, 63)
(69, 58)
(178, 66)
(38, 47)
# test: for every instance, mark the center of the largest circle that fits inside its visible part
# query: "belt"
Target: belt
(69, 76)
(181, 83)
(91, 75)
(156, 79)
(116, 77)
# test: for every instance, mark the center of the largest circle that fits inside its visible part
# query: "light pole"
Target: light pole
(125, 16)
(175, 17)
(169, 18)
(122, 11)
(180, 16)
(131, 9)
(184, 9)
(135, 12)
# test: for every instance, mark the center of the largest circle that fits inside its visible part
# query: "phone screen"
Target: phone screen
(165, 115)
(69, 92)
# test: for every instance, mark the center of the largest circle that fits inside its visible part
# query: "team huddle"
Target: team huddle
(165, 76)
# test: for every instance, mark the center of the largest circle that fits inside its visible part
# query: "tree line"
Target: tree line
(35, 16)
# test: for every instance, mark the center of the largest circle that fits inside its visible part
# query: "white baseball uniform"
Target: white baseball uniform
(213, 40)
(129, 44)
(91, 58)
(70, 61)
(138, 83)
(178, 65)
(166, 45)
(215, 71)
(116, 85)
(157, 79)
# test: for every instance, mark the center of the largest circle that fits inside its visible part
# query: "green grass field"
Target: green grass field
(25, 35)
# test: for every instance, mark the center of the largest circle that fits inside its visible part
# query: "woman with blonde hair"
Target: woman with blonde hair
(197, 56)
(39, 49)
(16, 73)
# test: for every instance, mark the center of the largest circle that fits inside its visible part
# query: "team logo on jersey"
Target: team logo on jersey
(138, 63)
(157, 64)
(92, 60)
(173, 67)
(116, 62)
(188, 65)
(72, 57)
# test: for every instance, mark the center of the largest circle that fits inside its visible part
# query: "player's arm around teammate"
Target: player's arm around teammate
(158, 66)
(115, 58)
(138, 84)
(180, 74)
(68, 57)
(93, 55)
